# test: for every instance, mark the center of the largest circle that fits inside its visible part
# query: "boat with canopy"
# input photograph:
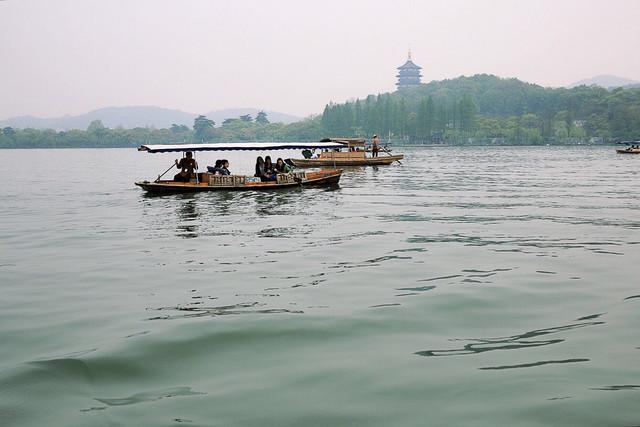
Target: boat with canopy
(351, 152)
(205, 181)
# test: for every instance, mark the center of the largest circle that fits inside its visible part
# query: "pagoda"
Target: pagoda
(408, 74)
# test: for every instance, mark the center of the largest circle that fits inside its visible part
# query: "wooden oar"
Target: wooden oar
(386, 150)
(165, 172)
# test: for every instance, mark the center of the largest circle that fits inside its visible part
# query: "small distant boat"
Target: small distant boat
(633, 147)
(350, 152)
(628, 150)
(205, 181)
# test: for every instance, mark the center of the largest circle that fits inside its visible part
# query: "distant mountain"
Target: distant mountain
(127, 117)
(606, 81)
(136, 116)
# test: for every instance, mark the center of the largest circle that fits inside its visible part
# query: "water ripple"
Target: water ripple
(481, 345)
(453, 276)
(534, 364)
(150, 396)
(241, 308)
(520, 242)
(618, 387)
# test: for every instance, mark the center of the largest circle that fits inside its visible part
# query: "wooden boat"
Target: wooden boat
(352, 152)
(628, 151)
(210, 182)
(633, 147)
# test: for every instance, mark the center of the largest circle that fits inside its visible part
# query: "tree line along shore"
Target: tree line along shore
(482, 109)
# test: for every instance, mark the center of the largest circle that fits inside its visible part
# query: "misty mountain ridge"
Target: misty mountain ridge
(606, 81)
(138, 116)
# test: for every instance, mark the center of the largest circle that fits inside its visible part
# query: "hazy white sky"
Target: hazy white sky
(71, 56)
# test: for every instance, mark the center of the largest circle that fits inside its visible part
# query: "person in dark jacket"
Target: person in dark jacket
(259, 168)
(215, 169)
(269, 170)
(224, 168)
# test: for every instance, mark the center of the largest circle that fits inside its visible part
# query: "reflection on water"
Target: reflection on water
(220, 202)
(277, 202)
(618, 387)
(202, 311)
(533, 364)
(514, 342)
(187, 214)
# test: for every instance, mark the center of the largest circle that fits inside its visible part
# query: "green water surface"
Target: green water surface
(477, 286)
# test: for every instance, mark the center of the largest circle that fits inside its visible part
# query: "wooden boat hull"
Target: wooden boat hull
(320, 178)
(369, 161)
(628, 151)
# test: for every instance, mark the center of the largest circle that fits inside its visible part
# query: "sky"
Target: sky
(73, 56)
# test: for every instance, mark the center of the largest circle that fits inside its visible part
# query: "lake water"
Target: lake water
(477, 286)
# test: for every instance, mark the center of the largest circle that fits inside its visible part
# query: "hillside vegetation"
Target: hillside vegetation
(485, 107)
(478, 109)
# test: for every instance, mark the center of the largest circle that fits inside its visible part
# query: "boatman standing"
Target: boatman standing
(187, 165)
(375, 145)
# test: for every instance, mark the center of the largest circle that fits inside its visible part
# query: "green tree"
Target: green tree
(387, 114)
(421, 127)
(178, 128)
(402, 118)
(261, 118)
(201, 127)
(96, 133)
(96, 127)
(468, 112)
(358, 117)
(441, 118)
(429, 118)
(246, 118)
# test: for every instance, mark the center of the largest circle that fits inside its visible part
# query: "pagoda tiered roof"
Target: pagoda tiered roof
(409, 65)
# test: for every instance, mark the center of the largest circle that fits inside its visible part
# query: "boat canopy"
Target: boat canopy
(235, 146)
(351, 142)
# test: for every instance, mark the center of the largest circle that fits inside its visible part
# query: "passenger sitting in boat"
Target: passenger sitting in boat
(282, 167)
(215, 169)
(187, 165)
(259, 168)
(224, 169)
(306, 153)
(269, 170)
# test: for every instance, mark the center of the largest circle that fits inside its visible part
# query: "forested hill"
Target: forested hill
(495, 96)
(482, 109)
(485, 107)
